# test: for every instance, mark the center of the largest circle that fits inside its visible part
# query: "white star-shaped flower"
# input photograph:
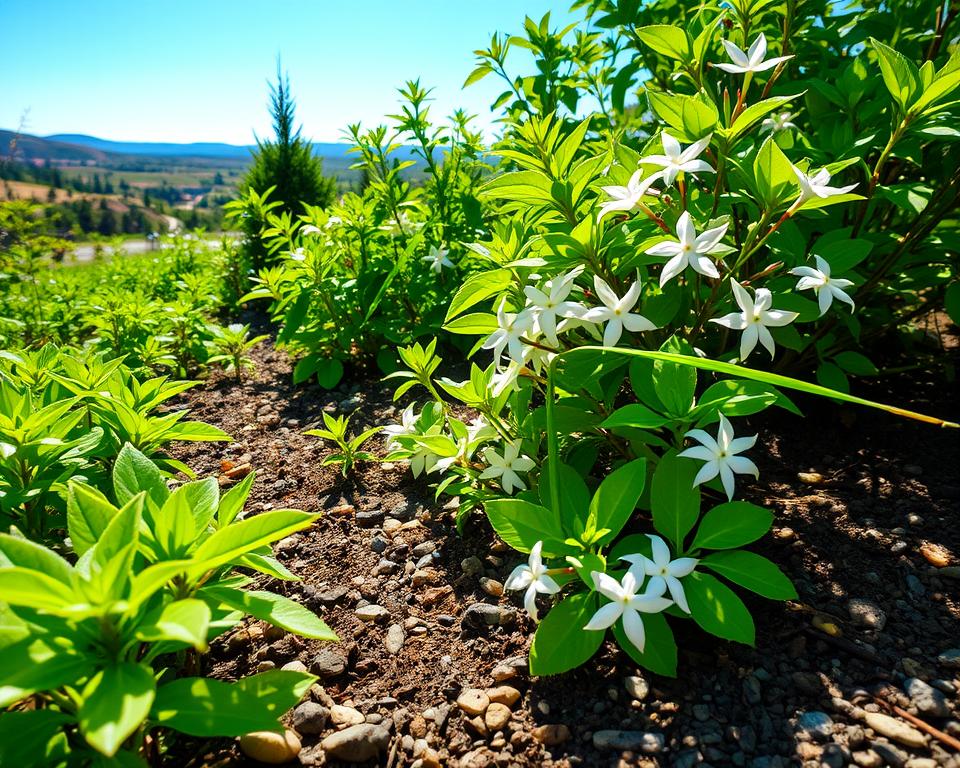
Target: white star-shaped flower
(825, 287)
(691, 251)
(511, 328)
(629, 197)
(625, 603)
(751, 60)
(437, 259)
(405, 427)
(533, 577)
(662, 569)
(551, 303)
(506, 467)
(721, 456)
(754, 317)
(615, 312)
(816, 185)
(676, 161)
(777, 123)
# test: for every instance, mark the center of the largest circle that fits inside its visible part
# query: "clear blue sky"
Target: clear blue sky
(197, 70)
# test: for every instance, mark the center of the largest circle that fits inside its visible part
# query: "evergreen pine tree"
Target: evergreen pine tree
(287, 163)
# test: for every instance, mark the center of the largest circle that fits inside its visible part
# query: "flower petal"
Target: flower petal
(633, 628)
(605, 617)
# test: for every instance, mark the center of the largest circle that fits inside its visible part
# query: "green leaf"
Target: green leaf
(182, 621)
(522, 524)
(133, 472)
(197, 432)
(25, 737)
(306, 367)
(476, 288)
(746, 119)
(231, 503)
(952, 302)
(900, 75)
(31, 666)
(88, 513)
(855, 363)
(474, 324)
(561, 643)
(732, 524)
(574, 497)
(115, 702)
(274, 609)
(635, 415)
(775, 178)
(675, 384)
(659, 650)
(204, 707)
(23, 553)
(330, 374)
(616, 498)
(753, 572)
(717, 609)
(690, 117)
(242, 537)
(520, 186)
(34, 589)
(670, 41)
(674, 500)
(739, 371)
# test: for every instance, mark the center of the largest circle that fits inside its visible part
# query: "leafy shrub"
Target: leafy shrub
(377, 269)
(680, 234)
(153, 308)
(95, 646)
(63, 416)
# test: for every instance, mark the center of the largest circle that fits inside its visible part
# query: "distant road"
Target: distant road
(84, 253)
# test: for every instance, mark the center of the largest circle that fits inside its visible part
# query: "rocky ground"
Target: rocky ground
(431, 668)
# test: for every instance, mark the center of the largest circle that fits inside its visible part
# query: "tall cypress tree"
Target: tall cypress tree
(287, 163)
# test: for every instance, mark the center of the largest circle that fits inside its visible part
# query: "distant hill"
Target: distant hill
(197, 149)
(152, 149)
(34, 147)
(72, 149)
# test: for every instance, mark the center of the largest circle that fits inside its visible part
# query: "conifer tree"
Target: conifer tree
(286, 163)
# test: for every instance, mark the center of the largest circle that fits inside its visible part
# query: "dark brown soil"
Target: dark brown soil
(878, 489)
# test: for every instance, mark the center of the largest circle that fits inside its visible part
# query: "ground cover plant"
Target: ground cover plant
(158, 310)
(93, 643)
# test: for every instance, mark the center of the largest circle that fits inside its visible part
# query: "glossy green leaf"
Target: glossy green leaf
(717, 609)
(616, 498)
(274, 609)
(659, 653)
(733, 524)
(115, 702)
(204, 707)
(560, 643)
(752, 571)
(674, 500)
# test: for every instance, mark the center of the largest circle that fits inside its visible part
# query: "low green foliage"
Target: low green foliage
(66, 416)
(97, 644)
(349, 452)
(231, 347)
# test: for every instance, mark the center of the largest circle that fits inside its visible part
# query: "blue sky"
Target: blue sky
(197, 71)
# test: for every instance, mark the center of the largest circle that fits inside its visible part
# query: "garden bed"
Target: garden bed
(858, 532)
